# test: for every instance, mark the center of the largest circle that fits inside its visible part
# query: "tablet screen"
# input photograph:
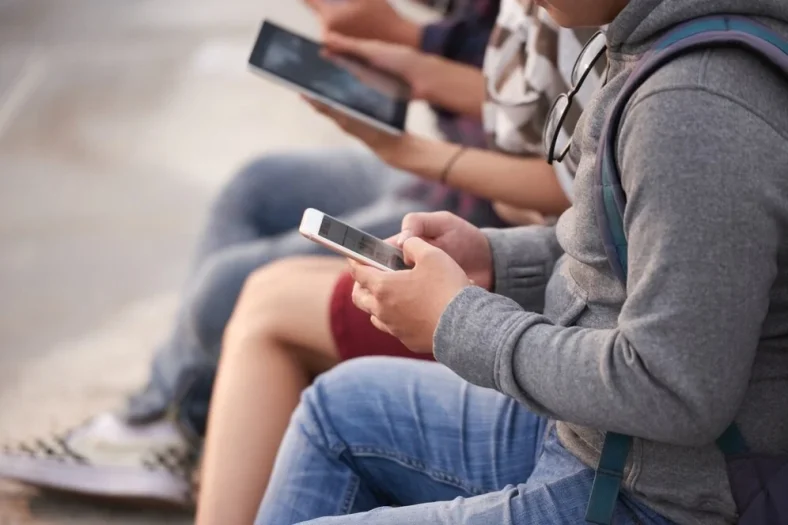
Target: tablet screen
(343, 80)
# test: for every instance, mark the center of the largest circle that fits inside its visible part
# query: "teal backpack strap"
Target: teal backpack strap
(714, 31)
(608, 478)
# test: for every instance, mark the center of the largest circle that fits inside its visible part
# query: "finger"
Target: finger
(315, 104)
(426, 225)
(316, 5)
(393, 240)
(352, 265)
(416, 249)
(339, 118)
(377, 323)
(366, 276)
(338, 43)
(364, 300)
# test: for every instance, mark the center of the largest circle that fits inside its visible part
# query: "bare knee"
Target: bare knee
(265, 304)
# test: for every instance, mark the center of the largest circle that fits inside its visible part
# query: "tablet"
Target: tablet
(344, 83)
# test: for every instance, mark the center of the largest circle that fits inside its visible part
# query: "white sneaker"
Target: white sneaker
(107, 457)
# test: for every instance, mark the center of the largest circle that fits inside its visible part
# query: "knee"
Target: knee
(349, 393)
(258, 313)
(252, 184)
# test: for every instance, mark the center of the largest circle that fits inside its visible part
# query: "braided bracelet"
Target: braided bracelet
(450, 164)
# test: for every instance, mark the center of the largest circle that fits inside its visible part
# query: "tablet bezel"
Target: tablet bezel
(267, 31)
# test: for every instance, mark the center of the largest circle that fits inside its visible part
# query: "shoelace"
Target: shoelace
(56, 448)
(180, 462)
(176, 460)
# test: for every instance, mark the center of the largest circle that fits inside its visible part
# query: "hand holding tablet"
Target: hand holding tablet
(344, 83)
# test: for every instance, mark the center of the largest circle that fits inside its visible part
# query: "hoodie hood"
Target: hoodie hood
(643, 20)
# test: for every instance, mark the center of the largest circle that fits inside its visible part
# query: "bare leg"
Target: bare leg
(277, 340)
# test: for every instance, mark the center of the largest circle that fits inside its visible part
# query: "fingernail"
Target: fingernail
(404, 236)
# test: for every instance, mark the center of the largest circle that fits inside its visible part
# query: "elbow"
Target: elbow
(697, 423)
(695, 433)
(684, 404)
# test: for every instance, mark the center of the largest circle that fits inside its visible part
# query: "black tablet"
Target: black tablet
(344, 83)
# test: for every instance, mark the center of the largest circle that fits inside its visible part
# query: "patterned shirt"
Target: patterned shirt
(462, 37)
(527, 63)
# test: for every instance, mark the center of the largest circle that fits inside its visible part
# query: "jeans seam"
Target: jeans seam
(350, 495)
(418, 465)
(337, 450)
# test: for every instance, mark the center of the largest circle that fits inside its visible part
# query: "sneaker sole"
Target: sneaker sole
(108, 482)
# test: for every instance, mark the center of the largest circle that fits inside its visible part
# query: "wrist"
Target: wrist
(406, 33)
(421, 76)
(420, 156)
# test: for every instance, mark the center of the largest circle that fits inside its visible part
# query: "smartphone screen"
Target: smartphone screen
(344, 80)
(362, 243)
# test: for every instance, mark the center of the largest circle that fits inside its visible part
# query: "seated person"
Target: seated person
(252, 224)
(509, 428)
(295, 318)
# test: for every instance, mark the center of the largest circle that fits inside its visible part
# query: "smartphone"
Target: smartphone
(350, 242)
(344, 83)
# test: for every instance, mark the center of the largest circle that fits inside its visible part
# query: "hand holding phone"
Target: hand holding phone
(461, 240)
(350, 242)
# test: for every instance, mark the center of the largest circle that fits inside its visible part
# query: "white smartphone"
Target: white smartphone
(350, 242)
(344, 83)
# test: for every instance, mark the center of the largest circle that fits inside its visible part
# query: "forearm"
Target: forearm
(404, 32)
(523, 182)
(590, 377)
(452, 86)
(514, 216)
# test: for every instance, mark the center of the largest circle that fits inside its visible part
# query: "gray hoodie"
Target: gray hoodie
(700, 336)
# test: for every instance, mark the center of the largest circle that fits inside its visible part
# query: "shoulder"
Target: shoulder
(727, 80)
(715, 118)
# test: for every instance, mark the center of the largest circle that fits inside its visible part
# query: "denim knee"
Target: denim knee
(339, 401)
(269, 192)
(218, 283)
(255, 178)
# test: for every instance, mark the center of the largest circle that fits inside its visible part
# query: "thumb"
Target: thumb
(317, 6)
(426, 225)
(342, 44)
(415, 250)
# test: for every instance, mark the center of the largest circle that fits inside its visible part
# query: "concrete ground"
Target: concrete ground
(119, 119)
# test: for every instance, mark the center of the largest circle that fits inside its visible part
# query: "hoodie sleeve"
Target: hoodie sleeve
(523, 260)
(703, 231)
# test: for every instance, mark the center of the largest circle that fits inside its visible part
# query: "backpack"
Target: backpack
(759, 483)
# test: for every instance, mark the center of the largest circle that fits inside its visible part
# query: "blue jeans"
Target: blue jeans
(384, 441)
(253, 222)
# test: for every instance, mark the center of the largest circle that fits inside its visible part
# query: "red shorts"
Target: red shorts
(354, 334)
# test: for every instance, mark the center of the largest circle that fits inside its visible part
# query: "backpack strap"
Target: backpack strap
(701, 33)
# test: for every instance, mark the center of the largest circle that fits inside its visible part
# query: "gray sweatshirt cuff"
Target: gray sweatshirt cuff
(464, 349)
(467, 342)
(523, 260)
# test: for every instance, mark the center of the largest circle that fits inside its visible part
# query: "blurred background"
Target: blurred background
(119, 119)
